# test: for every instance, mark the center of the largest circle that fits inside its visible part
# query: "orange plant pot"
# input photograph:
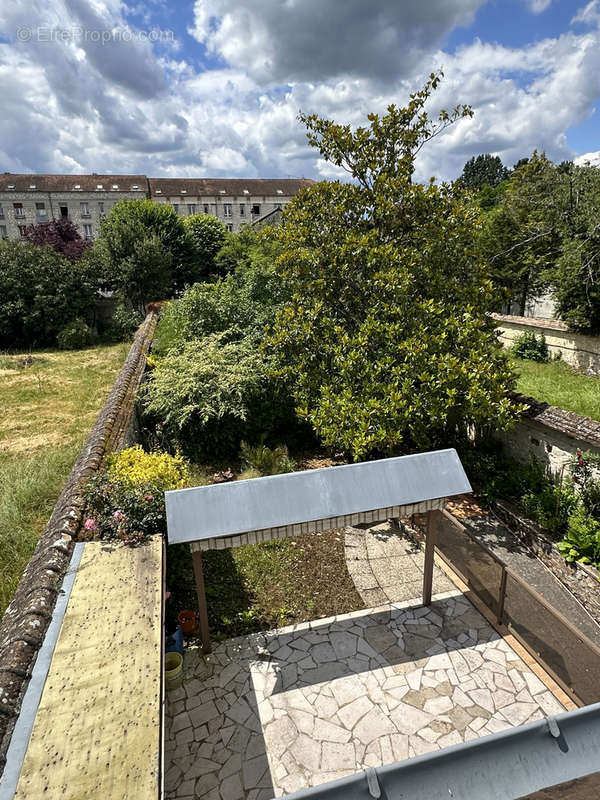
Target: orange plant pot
(187, 620)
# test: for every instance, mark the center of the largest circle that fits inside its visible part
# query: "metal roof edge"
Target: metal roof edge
(511, 764)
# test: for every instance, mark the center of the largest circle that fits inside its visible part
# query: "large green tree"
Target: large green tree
(145, 251)
(41, 292)
(386, 336)
(483, 170)
(520, 236)
(207, 235)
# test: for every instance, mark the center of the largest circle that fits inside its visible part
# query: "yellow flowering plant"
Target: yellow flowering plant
(135, 467)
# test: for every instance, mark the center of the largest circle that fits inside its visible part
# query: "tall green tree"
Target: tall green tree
(207, 235)
(145, 251)
(520, 236)
(483, 170)
(386, 337)
(575, 276)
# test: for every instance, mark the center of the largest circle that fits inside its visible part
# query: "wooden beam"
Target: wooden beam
(202, 609)
(429, 558)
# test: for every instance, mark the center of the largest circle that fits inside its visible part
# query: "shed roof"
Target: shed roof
(227, 509)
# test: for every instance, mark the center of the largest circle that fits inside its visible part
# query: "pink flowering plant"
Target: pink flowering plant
(119, 511)
(126, 500)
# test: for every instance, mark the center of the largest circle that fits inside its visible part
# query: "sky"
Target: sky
(210, 88)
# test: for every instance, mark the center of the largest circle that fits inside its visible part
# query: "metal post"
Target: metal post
(428, 566)
(202, 609)
(502, 596)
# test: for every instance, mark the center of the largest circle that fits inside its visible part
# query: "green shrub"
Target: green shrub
(582, 539)
(552, 506)
(245, 301)
(124, 323)
(211, 393)
(531, 347)
(207, 235)
(75, 335)
(265, 460)
(41, 292)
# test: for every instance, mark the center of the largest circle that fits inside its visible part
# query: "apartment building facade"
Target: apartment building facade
(85, 199)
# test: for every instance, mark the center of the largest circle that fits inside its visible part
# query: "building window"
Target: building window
(206, 211)
(64, 212)
(227, 209)
(87, 232)
(1, 212)
(18, 207)
(22, 230)
(85, 209)
(176, 208)
(229, 227)
(191, 209)
(3, 233)
(40, 209)
(101, 211)
(242, 211)
(256, 209)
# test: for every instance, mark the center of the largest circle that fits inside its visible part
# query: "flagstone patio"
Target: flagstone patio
(269, 714)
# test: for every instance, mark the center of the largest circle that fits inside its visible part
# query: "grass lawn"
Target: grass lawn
(268, 585)
(49, 401)
(559, 385)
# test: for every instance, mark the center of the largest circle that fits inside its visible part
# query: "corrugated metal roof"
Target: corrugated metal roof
(233, 508)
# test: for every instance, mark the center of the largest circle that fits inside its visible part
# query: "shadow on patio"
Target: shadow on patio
(278, 711)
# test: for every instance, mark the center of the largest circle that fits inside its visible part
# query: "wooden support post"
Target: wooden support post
(428, 566)
(202, 609)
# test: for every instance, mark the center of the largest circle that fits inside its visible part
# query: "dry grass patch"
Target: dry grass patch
(48, 401)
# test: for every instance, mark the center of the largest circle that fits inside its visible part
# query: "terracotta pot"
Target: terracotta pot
(187, 620)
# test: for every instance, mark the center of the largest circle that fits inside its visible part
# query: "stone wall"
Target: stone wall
(24, 624)
(550, 434)
(582, 352)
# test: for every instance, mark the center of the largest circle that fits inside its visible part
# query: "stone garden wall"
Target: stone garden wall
(24, 624)
(550, 434)
(582, 352)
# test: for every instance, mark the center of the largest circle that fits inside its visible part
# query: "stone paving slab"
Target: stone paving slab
(387, 566)
(272, 713)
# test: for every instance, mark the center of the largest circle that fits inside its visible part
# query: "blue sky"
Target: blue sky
(213, 87)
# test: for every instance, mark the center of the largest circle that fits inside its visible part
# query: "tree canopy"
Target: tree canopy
(483, 170)
(145, 251)
(61, 235)
(386, 338)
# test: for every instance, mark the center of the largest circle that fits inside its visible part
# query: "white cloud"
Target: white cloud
(588, 158)
(588, 15)
(73, 106)
(313, 40)
(538, 6)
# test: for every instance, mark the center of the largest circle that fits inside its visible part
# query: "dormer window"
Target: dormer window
(279, 191)
(184, 191)
(78, 186)
(99, 186)
(222, 191)
(11, 186)
(158, 191)
(135, 187)
(32, 186)
(115, 186)
(246, 191)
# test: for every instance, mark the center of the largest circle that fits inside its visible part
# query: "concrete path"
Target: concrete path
(489, 530)
(387, 566)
